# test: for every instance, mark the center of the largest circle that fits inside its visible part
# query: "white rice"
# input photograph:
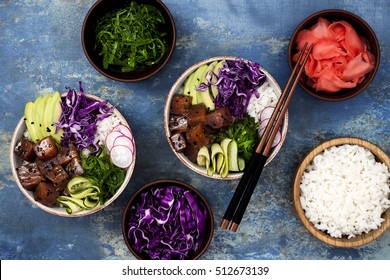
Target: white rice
(344, 191)
(104, 127)
(267, 98)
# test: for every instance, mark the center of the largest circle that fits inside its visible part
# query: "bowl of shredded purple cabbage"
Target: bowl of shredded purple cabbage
(216, 113)
(72, 154)
(167, 220)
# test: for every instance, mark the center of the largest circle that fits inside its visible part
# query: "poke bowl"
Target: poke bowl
(341, 192)
(216, 112)
(345, 57)
(128, 41)
(167, 220)
(72, 154)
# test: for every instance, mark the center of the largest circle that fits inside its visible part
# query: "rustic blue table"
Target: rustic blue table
(40, 51)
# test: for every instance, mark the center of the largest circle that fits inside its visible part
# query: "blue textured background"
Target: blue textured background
(40, 51)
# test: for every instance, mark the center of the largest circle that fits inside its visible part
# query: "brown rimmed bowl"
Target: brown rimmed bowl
(362, 28)
(359, 240)
(104, 7)
(15, 162)
(177, 88)
(134, 199)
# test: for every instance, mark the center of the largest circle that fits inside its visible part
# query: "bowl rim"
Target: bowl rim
(340, 13)
(162, 63)
(176, 85)
(135, 195)
(54, 210)
(362, 239)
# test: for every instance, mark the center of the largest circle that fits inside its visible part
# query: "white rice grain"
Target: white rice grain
(104, 127)
(344, 191)
(267, 97)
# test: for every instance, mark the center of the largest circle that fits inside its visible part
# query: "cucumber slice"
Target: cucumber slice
(73, 205)
(216, 150)
(241, 164)
(203, 158)
(224, 145)
(232, 151)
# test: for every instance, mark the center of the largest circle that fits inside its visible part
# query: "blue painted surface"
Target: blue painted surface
(40, 51)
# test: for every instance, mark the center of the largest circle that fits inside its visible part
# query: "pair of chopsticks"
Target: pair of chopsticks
(248, 182)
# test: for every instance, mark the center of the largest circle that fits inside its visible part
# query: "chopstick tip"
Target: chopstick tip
(233, 227)
(224, 224)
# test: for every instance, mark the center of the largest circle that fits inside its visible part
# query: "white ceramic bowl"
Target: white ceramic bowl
(60, 211)
(176, 89)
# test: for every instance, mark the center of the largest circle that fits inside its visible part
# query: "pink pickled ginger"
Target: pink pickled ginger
(340, 58)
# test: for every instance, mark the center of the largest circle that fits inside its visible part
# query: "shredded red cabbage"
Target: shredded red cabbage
(79, 117)
(167, 223)
(237, 81)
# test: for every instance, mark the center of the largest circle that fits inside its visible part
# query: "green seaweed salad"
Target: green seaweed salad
(131, 39)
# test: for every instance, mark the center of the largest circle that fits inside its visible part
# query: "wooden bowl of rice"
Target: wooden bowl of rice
(341, 192)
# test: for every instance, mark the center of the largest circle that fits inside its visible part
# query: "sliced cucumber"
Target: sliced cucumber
(232, 152)
(73, 205)
(216, 151)
(224, 145)
(83, 195)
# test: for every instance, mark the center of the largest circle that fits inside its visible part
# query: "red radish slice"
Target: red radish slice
(266, 113)
(278, 138)
(263, 124)
(121, 156)
(124, 141)
(110, 138)
(125, 130)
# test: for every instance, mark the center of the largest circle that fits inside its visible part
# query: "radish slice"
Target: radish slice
(266, 113)
(278, 138)
(125, 130)
(121, 156)
(110, 138)
(263, 124)
(124, 141)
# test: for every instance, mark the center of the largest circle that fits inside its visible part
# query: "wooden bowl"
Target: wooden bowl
(325, 237)
(362, 28)
(15, 162)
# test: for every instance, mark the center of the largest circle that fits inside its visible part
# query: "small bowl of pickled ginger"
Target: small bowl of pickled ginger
(345, 56)
(167, 220)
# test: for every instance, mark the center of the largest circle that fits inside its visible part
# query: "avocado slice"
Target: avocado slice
(38, 107)
(186, 90)
(199, 74)
(52, 115)
(40, 112)
(29, 121)
(205, 95)
(214, 89)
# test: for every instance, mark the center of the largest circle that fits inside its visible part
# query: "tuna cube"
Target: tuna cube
(179, 142)
(180, 104)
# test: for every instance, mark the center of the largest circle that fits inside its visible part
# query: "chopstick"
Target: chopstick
(239, 202)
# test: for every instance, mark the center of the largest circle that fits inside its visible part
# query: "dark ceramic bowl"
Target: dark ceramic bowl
(103, 7)
(135, 199)
(361, 27)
